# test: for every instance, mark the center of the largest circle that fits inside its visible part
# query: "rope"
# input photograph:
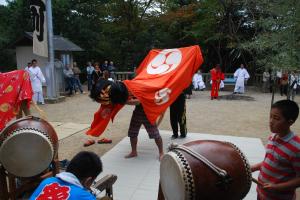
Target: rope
(217, 170)
(39, 110)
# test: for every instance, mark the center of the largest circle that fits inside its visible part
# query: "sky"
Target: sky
(2, 2)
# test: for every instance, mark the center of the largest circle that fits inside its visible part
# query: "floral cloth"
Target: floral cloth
(15, 87)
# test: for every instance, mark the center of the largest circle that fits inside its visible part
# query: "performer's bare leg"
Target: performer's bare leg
(23, 108)
(19, 114)
(133, 143)
(159, 144)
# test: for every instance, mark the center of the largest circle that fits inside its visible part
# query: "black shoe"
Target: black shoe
(182, 135)
(174, 136)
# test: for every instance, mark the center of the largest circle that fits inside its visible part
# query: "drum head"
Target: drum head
(26, 152)
(171, 178)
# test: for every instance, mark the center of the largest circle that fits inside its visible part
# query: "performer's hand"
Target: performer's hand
(271, 187)
(256, 167)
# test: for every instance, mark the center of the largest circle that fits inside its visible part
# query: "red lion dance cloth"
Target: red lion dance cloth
(161, 77)
(15, 87)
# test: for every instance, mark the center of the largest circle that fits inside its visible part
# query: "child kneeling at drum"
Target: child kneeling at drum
(280, 171)
(73, 184)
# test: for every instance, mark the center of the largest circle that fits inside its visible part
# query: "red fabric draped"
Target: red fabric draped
(102, 118)
(161, 77)
(15, 87)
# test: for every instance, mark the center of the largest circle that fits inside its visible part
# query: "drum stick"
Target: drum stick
(256, 181)
(40, 111)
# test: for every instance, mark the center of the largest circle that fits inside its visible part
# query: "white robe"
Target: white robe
(37, 79)
(198, 82)
(240, 75)
(222, 85)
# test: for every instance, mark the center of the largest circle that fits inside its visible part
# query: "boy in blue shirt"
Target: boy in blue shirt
(73, 184)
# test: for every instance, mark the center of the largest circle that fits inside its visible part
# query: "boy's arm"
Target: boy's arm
(289, 185)
(256, 167)
(133, 102)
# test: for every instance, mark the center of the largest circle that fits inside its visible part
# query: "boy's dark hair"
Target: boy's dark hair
(288, 108)
(85, 164)
(34, 60)
(98, 87)
(118, 92)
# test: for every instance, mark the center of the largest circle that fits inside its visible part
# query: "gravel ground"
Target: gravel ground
(225, 117)
(222, 117)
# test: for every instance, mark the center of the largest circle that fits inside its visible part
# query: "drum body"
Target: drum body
(184, 177)
(28, 146)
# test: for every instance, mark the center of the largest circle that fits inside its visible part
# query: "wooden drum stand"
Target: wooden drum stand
(12, 187)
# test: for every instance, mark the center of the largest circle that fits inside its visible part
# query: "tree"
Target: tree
(230, 32)
(276, 43)
(14, 19)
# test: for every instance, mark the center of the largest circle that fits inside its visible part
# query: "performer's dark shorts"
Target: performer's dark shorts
(139, 118)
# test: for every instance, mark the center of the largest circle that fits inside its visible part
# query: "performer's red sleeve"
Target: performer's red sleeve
(102, 117)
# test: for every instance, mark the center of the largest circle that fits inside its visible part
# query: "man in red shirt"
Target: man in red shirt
(216, 77)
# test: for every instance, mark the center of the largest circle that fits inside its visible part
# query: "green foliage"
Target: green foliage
(259, 33)
(276, 44)
(14, 19)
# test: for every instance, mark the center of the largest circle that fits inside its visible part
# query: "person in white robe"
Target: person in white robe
(240, 75)
(198, 81)
(37, 79)
(222, 85)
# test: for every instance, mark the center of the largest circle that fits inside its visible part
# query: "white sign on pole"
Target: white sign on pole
(39, 22)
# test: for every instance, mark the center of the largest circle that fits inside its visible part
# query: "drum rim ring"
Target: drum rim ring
(34, 130)
(15, 121)
(187, 174)
(247, 168)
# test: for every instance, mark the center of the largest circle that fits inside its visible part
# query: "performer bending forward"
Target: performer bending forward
(139, 118)
(216, 77)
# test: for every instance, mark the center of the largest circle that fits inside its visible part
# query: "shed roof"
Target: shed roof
(59, 43)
